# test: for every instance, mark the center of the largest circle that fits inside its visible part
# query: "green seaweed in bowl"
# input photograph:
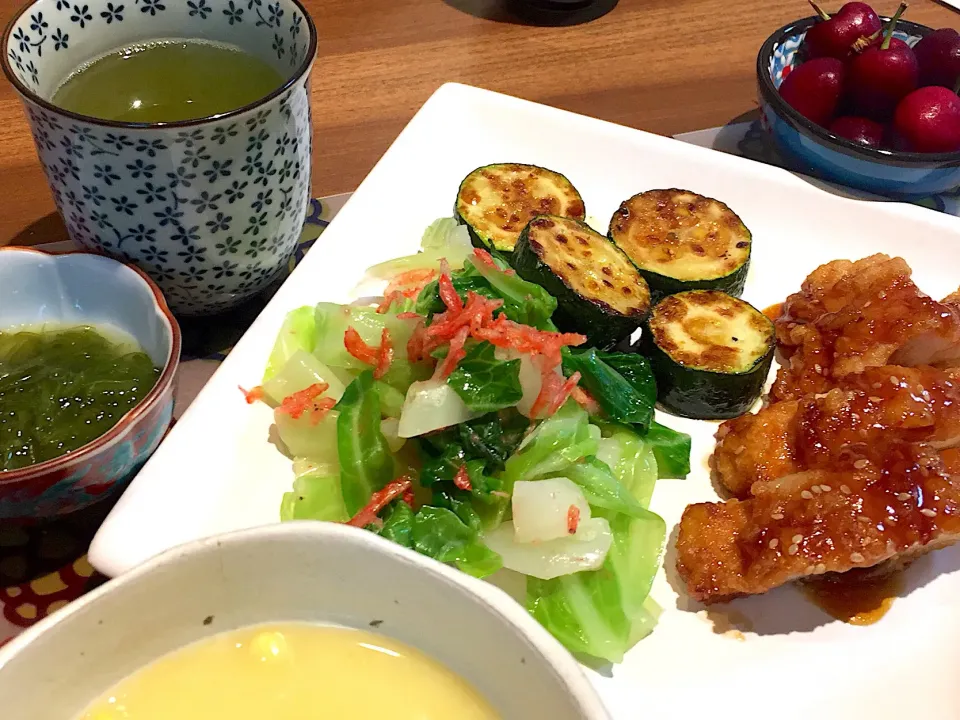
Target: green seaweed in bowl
(61, 388)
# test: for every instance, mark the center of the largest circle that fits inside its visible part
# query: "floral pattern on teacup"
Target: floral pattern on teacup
(211, 210)
(210, 213)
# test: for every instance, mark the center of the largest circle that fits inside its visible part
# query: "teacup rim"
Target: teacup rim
(25, 92)
(148, 401)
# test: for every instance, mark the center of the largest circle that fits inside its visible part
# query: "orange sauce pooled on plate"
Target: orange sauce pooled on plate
(859, 600)
(773, 312)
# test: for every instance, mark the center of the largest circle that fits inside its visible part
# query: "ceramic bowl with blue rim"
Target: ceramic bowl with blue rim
(80, 288)
(210, 208)
(815, 150)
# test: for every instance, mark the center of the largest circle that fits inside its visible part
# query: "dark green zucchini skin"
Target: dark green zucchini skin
(697, 391)
(603, 326)
(602, 331)
(702, 394)
(571, 205)
(661, 285)
(478, 241)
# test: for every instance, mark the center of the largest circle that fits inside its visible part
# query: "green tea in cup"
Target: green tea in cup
(167, 81)
(175, 135)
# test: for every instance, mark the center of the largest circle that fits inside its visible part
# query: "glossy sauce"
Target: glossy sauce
(293, 671)
(857, 600)
(774, 311)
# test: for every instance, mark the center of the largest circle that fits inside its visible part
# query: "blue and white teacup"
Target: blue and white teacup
(211, 208)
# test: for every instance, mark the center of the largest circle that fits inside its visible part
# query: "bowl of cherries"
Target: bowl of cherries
(865, 101)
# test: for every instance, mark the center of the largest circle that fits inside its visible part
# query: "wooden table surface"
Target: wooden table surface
(667, 66)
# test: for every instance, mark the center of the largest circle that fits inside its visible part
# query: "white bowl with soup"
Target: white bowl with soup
(306, 619)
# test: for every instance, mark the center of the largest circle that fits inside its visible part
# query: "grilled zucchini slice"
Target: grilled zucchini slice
(683, 241)
(496, 202)
(710, 353)
(598, 290)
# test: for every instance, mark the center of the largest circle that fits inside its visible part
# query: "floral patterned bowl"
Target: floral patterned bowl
(211, 208)
(815, 150)
(84, 288)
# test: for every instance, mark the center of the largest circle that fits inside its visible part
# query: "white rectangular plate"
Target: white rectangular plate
(217, 471)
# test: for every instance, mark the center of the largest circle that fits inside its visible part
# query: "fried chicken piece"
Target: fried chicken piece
(842, 429)
(849, 316)
(952, 299)
(951, 460)
(819, 522)
(756, 448)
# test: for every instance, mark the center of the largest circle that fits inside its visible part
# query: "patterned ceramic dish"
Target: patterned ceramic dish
(817, 151)
(307, 572)
(210, 208)
(75, 289)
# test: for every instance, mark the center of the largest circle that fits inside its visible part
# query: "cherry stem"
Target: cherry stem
(819, 10)
(891, 26)
(864, 41)
(956, 87)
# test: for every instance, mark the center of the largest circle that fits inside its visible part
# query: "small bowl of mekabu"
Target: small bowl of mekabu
(88, 353)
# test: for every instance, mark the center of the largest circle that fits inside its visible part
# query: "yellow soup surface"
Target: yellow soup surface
(293, 670)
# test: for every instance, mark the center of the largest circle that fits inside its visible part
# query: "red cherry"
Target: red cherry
(835, 36)
(928, 120)
(858, 129)
(813, 89)
(883, 74)
(938, 55)
(875, 43)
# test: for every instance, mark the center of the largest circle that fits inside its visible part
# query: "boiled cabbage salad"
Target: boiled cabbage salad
(452, 417)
